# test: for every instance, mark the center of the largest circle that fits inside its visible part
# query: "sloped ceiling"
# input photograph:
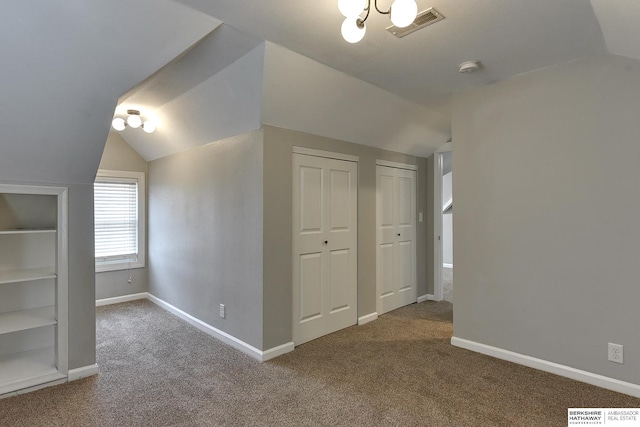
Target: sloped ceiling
(508, 36)
(207, 94)
(620, 23)
(212, 91)
(64, 65)
(301, 94)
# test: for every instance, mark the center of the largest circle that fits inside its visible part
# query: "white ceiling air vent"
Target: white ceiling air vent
(424, 18)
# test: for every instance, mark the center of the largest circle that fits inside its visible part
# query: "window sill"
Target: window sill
(117, 266)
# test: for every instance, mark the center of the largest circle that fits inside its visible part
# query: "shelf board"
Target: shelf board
(27, 369)
(26, 275)
(27, 231)
(22, 320)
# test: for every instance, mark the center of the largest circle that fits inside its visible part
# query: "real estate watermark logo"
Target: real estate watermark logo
(627, 417)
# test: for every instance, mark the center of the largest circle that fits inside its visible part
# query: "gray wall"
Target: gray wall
(546, 225)
(119, 156)
(205, 233)
(277, 242)
(82, 310)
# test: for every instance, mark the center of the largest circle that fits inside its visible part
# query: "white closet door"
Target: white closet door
(324, 246)
(396, 238)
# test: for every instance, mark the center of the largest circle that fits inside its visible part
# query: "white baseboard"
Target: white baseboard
(118, 300)
(445, 265)
(554, 368)
(368, 318)
(53, 379)
(234, 342)
(274, 352)
(34, 388)
(423, 298)
(85, 371)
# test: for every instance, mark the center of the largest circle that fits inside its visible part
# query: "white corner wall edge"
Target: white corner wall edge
(261, 356)
(554, 368)
(118, 300)
(83, 372)
(367, 318)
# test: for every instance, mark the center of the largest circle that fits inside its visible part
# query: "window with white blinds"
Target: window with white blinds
(119, 220)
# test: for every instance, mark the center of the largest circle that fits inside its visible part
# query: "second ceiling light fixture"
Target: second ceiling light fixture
(133, 121)
(403, 13)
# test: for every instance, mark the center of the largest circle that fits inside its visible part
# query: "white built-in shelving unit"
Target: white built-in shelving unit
(33, 286)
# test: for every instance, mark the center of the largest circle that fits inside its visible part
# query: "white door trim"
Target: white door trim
(396, 165)
(437, 227)
(437, 221)
(326, 154)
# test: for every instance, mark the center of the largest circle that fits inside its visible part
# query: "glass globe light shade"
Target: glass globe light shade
(118, 124)
(351, 8)
(148, 126)
(134, 121)
(403, 12)
(351, 32)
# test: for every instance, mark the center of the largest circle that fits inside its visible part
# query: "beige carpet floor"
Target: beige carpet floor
(156, 370)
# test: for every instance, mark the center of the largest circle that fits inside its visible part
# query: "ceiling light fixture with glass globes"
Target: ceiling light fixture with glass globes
(403, 13)
(134, 121)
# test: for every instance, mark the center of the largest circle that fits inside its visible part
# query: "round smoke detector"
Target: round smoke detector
(469, 67)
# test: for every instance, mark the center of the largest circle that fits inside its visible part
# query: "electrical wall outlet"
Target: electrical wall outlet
(616, 353)
(222, 311)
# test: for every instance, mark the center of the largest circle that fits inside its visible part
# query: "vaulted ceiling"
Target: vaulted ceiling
(508, 37)
(66, 62)
(64, 65)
